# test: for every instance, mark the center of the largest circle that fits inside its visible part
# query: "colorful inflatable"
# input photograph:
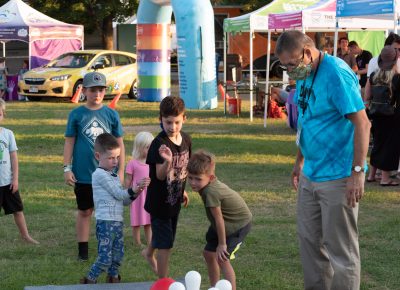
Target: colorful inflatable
(196, 51)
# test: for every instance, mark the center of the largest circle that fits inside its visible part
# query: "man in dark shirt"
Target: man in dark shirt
(362, 58)
(344, 53)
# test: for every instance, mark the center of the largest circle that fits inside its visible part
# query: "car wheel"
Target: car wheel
(82, 97)
(133, 91)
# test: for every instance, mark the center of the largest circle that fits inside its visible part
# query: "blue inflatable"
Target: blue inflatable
(196, 51)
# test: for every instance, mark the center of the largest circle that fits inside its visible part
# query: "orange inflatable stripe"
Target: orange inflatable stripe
(153, 29)
(146, 42)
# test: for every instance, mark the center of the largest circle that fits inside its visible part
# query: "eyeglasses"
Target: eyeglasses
(291, 65)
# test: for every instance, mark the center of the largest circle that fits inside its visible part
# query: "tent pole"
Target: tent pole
(335, 41)
(29, 53)
(225, 87)
(251, 75)
(4, 49)
(395, 16)
(266, 96)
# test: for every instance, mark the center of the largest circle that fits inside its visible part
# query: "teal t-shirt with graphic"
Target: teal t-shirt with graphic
(85, 125)
(325, 135)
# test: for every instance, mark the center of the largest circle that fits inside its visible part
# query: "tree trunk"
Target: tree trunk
(107, 33)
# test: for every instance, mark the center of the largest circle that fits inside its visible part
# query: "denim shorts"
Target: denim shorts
(164, 231)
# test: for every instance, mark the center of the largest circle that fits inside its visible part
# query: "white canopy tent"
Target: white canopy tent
(321, 17)
(387, 10)
(257, 21)
(47, 37)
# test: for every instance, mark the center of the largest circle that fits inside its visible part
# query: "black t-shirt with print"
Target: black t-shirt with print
(164, 197)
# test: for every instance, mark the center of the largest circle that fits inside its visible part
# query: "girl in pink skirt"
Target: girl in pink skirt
(136, 171)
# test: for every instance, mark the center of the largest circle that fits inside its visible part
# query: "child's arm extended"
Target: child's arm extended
(69, 176)
(222, 253)
(128, 180)
(15, 171)
(163, 168)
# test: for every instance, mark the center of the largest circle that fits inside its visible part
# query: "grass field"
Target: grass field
(251, 159)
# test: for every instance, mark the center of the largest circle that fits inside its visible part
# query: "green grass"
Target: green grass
(251, 159)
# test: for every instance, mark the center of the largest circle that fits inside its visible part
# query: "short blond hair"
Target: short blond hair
(142, 140)
(201, 162)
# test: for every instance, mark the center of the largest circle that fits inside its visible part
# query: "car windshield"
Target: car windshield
(72, 60)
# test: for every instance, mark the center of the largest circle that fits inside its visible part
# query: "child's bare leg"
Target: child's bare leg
(147, 233)
(83, 220)
(163, 262)
(136, 235)
(19, 219)
(212, 267)
(148, 254)
(228, 272)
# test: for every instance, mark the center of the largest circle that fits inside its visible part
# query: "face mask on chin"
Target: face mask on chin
(301, 72)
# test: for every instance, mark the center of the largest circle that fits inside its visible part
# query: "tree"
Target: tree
(92, 14)
(248, 5)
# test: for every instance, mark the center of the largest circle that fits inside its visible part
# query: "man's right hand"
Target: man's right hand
(69, 178)
(296, 176)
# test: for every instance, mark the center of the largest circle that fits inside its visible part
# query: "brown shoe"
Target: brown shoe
(111, 279)
(85, 280)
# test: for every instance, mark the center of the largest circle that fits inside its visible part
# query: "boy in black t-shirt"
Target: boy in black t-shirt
(167, 157)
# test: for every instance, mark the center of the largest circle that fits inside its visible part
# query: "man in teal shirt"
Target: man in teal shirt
(332, 139)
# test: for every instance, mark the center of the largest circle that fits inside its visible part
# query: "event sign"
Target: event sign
(346, 8)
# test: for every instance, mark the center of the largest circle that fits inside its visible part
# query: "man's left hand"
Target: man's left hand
(355, 188)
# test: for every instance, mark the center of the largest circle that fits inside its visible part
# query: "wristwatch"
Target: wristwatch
(67, 168)
(358, 169)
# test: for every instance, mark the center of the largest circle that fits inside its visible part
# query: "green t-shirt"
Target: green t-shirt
(234, 210)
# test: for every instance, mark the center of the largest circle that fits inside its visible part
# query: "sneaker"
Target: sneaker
(85, 280)
(111, 279)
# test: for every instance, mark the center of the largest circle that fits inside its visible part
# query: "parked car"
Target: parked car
(63, 76)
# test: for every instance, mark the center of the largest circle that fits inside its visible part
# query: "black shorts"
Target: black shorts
(11, 202)
(163, 232)
(84, 196)
(233, 241)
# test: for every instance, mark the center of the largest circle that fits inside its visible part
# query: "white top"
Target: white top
(7, 145)
(108, 195)
(372, 65)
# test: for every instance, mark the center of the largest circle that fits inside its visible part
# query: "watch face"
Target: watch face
(357, 168)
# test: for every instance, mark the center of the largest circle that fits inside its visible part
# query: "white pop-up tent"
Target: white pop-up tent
(388, 10)
(257, 21)
(322, 17)
(47, 37)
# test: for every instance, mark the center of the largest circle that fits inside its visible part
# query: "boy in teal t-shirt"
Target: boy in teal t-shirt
(85, 123)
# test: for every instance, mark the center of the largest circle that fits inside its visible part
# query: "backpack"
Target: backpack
(381, 103)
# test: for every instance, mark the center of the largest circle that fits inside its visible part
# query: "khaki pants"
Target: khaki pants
(328, 235)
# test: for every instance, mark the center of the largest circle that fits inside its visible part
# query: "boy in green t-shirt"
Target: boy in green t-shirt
(227, 212)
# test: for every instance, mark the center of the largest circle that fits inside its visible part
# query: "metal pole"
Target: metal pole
(266, 96)
(225, 87)
(251, 75)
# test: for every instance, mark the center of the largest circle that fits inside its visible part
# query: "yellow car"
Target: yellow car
(63, 76)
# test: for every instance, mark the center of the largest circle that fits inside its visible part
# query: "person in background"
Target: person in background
(385, 151)
(362, 58)
(344, 53)
(10, 199)
(328, 47)
(3, 78)
(24, 69)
